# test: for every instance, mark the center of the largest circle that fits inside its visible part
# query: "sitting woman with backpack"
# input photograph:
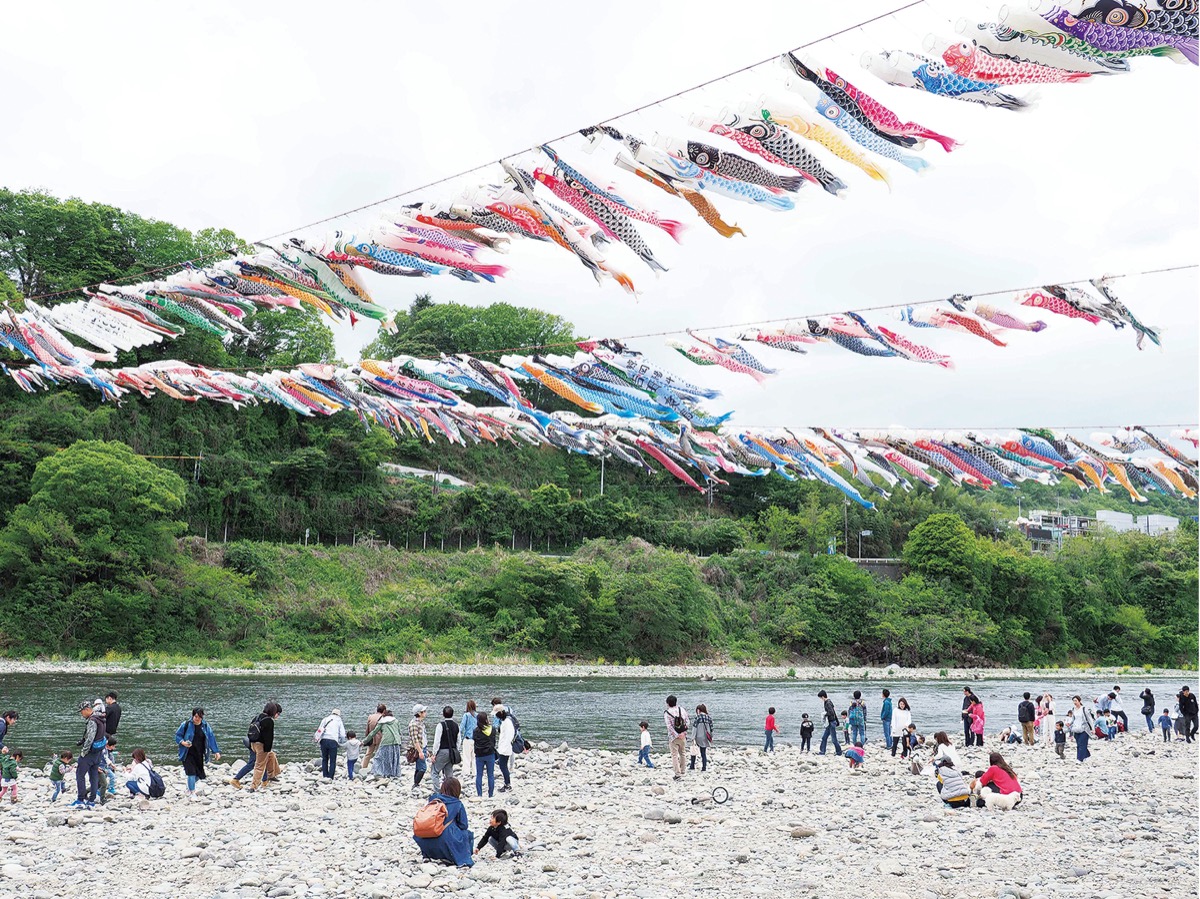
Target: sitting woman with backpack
(440, 827)
(142, 777)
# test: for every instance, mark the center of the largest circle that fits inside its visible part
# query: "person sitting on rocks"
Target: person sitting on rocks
(452, 843)
(998, 786)
(951, 785)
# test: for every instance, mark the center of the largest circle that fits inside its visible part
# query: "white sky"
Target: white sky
(264, 117)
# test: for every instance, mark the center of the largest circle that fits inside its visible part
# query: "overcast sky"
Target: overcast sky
(261, 118)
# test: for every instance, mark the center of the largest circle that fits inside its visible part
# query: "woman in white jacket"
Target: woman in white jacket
(504, 747)
(138, 781)
(901, 719)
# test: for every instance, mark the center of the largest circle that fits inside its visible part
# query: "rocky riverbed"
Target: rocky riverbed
(594, 824)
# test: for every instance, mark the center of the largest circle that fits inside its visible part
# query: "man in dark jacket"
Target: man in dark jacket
(1189, 708)
(112, 712)
(831, 724)
(1026, 713)
(87, 771)
(970, 737)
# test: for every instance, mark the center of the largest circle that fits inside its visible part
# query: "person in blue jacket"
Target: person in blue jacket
(196, 743)
(455, 842)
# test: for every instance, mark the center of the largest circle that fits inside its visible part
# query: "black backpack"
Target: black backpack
(158, 789)
(678, 723)
(254, 734)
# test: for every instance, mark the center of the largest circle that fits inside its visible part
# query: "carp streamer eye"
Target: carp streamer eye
(759, 131)
(1117, 17)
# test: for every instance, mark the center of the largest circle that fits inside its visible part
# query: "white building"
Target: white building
(1147, 524)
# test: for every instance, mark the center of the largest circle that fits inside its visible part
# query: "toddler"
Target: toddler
(59, 769)
(500, 836)
(644, 752)
(108, 777)
(846, 727)
(8, 772)
(770, 728)
(353, 748)
(806, 733)
(855, 755)
(1167, 725)
(1060, 739)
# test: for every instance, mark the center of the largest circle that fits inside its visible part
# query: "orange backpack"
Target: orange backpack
(430, 820)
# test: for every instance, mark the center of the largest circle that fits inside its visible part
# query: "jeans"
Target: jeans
(192, 783)
(831, 730)
(489, 762)
(58, 788)
(419, 771)
(329, 752)
(88, 770)
(858, 734)
(442, 768)
(246, 768)
(644, 757)
(887, 731)
(1149, 721)
(350, 764)
(970, 737)
(769, 746)
(112, 778)
(502, 761)
(704, 757)
(806, 742)
(1166, 733)
(132, 786)
(1081, 746)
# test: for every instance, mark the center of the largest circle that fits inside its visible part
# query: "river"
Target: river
(594, 712)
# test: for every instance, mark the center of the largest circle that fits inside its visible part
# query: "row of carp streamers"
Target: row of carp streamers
(639, 413)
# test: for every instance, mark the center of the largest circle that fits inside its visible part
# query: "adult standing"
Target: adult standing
(504, 746)
(331, 733)
(1027, 714)
(858, 719)
(1190, 710)
(1148, 708)
(112, 712)
(453, 844)
(261, 735)
(466, 732)
(197, 743)
(702, 734)
(901, 719)
(485, 754)
(390, 735)
(445, 747)
(977, 719)
(7, 720)
(1118, 708)
(968, 738)
(885, 717)
(1048, 718)
(87, 769)
(676, 720)
(373, 745)
(1080, 722)
(418, 743)
(831, 724)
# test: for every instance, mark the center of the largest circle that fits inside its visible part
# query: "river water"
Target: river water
(594, 712)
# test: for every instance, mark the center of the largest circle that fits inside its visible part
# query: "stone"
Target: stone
(800, 833)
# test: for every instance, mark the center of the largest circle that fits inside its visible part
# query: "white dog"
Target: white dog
(1003, 801)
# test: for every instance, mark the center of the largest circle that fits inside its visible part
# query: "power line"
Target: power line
(436, 183)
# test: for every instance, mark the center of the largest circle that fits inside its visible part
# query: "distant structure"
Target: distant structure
(393, 472)
(1046, 529)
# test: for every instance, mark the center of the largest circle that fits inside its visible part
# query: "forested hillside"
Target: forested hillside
(104, 510)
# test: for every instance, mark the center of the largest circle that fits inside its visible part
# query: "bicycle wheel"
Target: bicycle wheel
(720, 795)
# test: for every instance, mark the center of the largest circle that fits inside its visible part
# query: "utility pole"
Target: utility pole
(846, 526)
(602, 476)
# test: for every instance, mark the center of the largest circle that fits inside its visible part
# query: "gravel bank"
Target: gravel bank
(695, 672)
(595, 825)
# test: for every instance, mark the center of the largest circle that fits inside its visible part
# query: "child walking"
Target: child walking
(1167, 725)
(644, 751)
(59, 769)
(353, 748)
(806, 733)
(8, 772)
(500, 836)
(1060, 740)
(770, 728)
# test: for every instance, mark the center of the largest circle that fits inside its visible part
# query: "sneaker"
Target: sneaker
(677, 777)
(234, 782)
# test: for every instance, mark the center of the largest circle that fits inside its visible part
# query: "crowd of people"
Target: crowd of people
(479, 743)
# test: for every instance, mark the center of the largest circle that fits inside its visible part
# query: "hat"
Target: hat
(498, 707)
(418, 709)
(84, 705)
(337, 712)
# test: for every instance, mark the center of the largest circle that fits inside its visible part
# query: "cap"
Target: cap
(337, 712)
(418, 709)
(84, 705)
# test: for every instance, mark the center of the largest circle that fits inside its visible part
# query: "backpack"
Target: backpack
(254, 734)
(858, 715)
(678, 723)
(1026, 712)
(430, 819)
(158, 789)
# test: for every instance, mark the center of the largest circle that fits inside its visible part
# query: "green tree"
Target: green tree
(942, 549)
